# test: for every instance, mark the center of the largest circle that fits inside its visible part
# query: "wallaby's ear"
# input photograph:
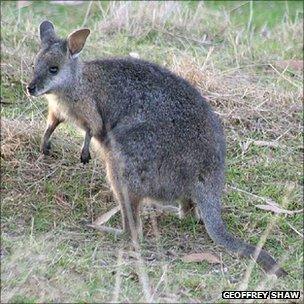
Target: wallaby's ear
(47, 32)
(76, 41)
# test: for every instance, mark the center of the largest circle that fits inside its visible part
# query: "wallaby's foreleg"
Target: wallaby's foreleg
(85, 151)
(208, 198)
(52, 123)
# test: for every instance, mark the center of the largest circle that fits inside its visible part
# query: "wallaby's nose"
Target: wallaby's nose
(31, 88)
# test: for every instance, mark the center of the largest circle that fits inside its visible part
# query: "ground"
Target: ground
(245, 58)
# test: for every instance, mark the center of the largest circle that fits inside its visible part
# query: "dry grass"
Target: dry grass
(47, 252)
(139, 18)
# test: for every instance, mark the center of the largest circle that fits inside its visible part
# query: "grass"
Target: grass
(48, 254)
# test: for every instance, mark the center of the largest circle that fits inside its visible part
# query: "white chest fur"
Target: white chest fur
(61, 108)
(83, 114)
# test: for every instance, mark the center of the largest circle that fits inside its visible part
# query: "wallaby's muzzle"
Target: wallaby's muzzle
(31, 88)
(35, 88)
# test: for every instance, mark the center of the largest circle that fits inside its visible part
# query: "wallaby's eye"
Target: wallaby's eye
(53, 70)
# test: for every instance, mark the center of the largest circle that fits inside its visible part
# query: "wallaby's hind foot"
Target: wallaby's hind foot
(98, 224)
(114, 231)
(105, 217)
(129, 205)
(162, 208)
(45, 148)
(186, 208)
(121, 233)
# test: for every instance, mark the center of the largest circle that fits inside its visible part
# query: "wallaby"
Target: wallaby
(158, 136)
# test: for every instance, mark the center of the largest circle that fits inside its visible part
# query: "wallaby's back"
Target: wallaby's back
(160, 122)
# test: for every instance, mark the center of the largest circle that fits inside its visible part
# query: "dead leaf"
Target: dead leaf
(260, 143)
(199, 257)
(296, 65)
(263, 143)
(275, 208)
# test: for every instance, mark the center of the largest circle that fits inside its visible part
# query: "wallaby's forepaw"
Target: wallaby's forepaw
(45, 148)
(85, 157)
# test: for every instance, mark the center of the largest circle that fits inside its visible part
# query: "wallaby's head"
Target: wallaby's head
(56, 62)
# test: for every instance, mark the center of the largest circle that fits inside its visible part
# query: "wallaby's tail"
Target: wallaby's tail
(208, 195)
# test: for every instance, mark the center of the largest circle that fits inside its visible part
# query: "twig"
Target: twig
(295, 230)
(44, 178)
(9, 103)
(237, 7)
(281, 74)
(249, 25)
(243, 67)
(265, 199)
(207, 57)
(117, 278)
(87, 13)
(161, 280)
(183, 37)
(263, 238)
(279, 137)
(103, 12)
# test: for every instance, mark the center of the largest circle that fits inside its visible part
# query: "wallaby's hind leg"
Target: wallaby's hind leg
(208, 197)
(129, 202)
(130, 212)
(52, 123)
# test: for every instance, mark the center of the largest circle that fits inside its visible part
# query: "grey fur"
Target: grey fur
(159, 137)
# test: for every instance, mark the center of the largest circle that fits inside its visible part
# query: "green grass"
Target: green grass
(270, 13)
(47, 252)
